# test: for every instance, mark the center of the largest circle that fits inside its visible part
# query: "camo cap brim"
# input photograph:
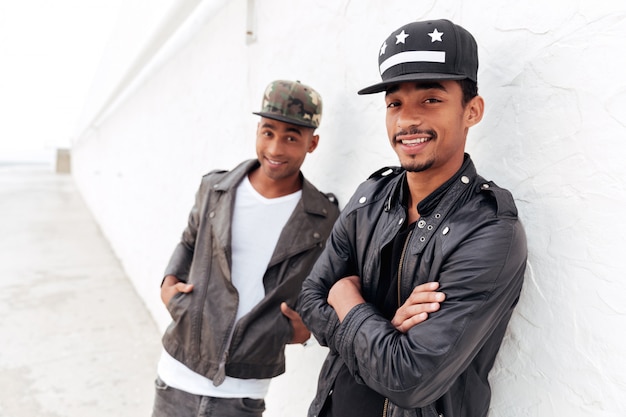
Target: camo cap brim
(292, 102)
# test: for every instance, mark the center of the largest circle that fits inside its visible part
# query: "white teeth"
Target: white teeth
(414, 141)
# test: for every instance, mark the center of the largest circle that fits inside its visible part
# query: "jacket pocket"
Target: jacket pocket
(177, 305)
(261, 335)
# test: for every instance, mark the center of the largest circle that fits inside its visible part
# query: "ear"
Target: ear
(313, 143)
(474, 111)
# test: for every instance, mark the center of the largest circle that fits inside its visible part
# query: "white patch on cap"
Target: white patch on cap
(413, 56)
(401, 37)
(435, 35)
(383, 48)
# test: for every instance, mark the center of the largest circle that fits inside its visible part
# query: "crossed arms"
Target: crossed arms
(346, 294)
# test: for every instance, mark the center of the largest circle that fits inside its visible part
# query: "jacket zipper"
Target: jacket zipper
(406, 243)
(220, 376)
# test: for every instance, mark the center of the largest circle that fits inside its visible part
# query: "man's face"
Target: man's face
(427, 124)
(281, 148)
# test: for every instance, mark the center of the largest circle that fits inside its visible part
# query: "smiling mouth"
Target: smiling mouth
(414, 136)
(414, 141)
(273, 162)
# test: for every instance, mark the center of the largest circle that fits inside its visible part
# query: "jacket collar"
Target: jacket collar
(399, 194)
(309, 192)
(428, 204)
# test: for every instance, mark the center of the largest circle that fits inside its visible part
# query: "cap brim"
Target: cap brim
(284, 119)
(424, 76)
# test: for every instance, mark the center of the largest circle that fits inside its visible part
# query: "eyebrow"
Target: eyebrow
(293, 129)
(425, 85)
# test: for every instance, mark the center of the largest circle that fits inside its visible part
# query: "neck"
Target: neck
(422, 184)
(270, 188)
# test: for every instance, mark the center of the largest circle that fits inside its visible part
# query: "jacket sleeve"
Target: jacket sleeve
(180, 261)
(334, 263)
(482, 278)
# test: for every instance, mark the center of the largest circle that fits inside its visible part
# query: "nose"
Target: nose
(275, 147)
(408, 116)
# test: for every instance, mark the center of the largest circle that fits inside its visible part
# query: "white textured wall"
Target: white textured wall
(552, 75)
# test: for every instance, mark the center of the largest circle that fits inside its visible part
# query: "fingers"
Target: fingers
(410, 322)
(288, 311)
(170, 289)
(412, 314)
(183, 287)
(300, 333)
(426, 293)
(424, 299)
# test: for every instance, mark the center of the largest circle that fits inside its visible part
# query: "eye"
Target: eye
(291, 139)
(393, 104)
(432, 100)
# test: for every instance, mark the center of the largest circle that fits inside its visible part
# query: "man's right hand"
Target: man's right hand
(171, 286)
(423, 300)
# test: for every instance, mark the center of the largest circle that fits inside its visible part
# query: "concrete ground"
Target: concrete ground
(75, 339)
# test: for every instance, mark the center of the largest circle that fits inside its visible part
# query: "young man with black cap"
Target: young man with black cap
(421, 273)
(252, 237)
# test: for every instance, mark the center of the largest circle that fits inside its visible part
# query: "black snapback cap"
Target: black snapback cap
(427, 50)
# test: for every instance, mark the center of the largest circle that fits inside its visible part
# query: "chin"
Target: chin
(415, 166)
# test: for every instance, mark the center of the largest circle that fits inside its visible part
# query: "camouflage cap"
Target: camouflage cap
(292, 102)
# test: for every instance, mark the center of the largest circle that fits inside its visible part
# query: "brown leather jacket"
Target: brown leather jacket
(204, 335)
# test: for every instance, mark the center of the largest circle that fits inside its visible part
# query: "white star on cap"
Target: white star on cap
(383, 48)
(401, 37)
(435, 36)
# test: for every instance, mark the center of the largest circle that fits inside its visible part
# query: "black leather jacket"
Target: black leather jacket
(470, 240)
(203, 334)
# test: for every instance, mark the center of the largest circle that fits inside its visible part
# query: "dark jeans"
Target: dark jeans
(171, 402)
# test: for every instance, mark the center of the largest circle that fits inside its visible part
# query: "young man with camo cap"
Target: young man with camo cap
(252, 237)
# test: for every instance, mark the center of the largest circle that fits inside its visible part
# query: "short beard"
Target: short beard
(412, 166)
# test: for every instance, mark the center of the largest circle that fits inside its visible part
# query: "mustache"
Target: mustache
(414, 130)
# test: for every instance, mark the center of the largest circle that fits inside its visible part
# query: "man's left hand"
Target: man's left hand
(300, 333)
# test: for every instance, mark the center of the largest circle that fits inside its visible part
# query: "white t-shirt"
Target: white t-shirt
(256, 226)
